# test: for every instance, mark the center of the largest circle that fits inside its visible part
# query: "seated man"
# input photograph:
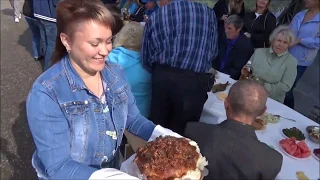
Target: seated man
(232, 147)
(235, 48)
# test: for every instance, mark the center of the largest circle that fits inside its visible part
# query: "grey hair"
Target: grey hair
(282, 29)
(130, 37)
(236, 20)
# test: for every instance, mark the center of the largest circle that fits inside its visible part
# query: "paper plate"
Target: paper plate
(291, 155)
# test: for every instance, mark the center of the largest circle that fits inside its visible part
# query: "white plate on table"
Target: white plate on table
(291, 155)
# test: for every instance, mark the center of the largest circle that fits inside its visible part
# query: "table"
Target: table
(214, 113)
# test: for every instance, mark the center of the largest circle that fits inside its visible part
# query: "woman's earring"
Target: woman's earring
(68, 51)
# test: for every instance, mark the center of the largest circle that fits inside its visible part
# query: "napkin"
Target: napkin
(110, 173)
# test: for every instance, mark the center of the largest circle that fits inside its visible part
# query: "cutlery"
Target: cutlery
(285, 118)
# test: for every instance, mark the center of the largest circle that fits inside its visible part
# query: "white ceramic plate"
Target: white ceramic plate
(291, 155)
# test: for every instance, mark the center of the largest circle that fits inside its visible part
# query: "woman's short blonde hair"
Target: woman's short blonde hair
(130, 37)
(282, 29)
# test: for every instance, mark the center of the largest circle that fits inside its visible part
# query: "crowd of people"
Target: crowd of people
(103, 76)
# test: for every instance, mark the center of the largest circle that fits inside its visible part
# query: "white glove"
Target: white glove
(159, 130)
(110, 173)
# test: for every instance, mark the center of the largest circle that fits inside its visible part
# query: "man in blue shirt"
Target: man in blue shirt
(179, 44)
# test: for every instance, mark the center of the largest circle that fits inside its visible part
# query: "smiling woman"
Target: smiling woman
(79, 108)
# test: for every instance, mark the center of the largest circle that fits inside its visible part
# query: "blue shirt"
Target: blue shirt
(75, 131)
(309, 33)
(182, 34)
(138, 77)
(230, 45)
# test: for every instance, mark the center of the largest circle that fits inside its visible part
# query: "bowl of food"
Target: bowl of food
(314, 133)
(170, 158)
(293, 132)
(316, 154)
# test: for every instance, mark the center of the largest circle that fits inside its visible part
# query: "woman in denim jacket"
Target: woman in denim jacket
(79, 109)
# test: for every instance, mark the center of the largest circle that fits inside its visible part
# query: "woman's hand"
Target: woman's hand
(224, 17)
(248, 35)
(297, 41)
(145, 18)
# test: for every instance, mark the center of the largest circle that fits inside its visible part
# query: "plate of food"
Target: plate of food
(296, 150)
(169, 157)
(270, 118)
(314, 133)
(293, 132)
(316, 154)
(222, 96)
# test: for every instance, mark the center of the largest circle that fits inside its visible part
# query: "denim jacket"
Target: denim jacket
(73, 133)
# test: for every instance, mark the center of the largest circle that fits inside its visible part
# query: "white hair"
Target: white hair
(130, 37)
(285, 30)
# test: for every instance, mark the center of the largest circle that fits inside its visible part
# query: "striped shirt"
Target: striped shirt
(181, 34)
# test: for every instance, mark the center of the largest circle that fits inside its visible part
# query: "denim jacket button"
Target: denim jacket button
(85, 102)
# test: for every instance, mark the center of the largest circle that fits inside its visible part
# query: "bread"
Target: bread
(170, 158)
(259, 124)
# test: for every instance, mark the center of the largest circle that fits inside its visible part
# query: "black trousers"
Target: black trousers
(178, 97)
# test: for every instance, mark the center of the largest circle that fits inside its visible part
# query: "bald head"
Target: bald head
(247, 98)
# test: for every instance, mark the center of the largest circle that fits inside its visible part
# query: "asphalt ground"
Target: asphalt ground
(19, 71)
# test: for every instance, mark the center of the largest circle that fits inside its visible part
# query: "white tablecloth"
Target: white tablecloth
(214, 113)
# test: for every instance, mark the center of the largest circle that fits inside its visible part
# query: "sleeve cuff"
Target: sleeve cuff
(159, 130)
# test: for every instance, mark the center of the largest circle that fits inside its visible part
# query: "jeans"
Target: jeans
(289, 99)
(16, 7)
(34, 25)
(49, 31)
(178, 97)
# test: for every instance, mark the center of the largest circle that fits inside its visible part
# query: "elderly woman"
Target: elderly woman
(274, 66)
(127, 54)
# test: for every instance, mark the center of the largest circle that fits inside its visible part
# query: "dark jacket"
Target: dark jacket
(45, 9)
(27, 8)
(234, 151)
(138, 16)
(220, 9)
(239, 54)
(260, 28)
(108, 1)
